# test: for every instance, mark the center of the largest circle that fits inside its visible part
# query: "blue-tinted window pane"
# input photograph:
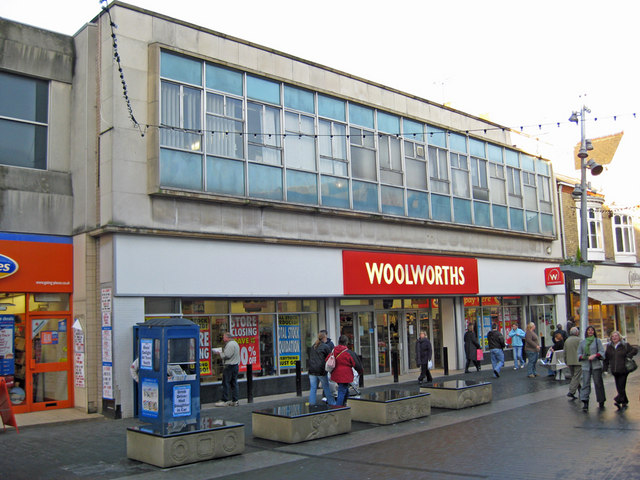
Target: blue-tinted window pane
(500, 217)
(331, 108)
(547, 224)
(532, 222)
(365, 196)
(436, 136)
(517, 219)
(476, 148)
(495, 153)
(225, 176)
(388, 123)
(418, 204)
(180, 68)
(457, 142)
(527, 163)
(335, 192)
(265, 182)
(461, 211)
(24, 98)
(261, 89)
(413, 130)
(482, 214)
(542, 167)
(223, 79)
(392, 200)
(512, 158)
(302, 187)
(298, 99)
(360, 115)
(23, 145)
(441, 208)
(180, 169)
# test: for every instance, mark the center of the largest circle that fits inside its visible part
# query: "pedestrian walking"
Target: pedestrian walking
(571, 359)
(616, 355)
(496, 344)
(517, 342)
(317, 373)
(471, 347)
(561, 332)
(532, 349)
(591, 354)
(329, 341)
(230, 355)
(424, 352)
(343, 372)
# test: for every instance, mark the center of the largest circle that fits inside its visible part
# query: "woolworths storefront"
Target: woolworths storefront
(275, 299)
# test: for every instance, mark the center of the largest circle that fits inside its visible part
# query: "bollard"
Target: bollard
(361, 379)
(298, 379)
(445, 360)
(249, 383)
(395, 365)
(543, 350)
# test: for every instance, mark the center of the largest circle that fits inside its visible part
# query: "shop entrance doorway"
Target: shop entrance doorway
(42, 375)
(358, 327)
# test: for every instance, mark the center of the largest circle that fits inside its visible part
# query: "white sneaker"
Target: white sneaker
(221, 404)
(233, 404)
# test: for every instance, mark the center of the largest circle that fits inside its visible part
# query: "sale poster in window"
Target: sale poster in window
(244, 328)
(204, 344)
(289, 340)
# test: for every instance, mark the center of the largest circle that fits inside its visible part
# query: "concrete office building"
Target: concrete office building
(257, 192)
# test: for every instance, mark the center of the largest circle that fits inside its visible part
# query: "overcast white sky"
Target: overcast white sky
(521, 63)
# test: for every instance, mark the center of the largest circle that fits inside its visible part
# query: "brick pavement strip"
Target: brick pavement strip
(529, 428)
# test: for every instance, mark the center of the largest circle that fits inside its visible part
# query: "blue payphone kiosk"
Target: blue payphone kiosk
(168, 389)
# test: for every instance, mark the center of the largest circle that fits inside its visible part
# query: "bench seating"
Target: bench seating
(185, 441)
(556, 364)
(389, 406)
(457, 394)
(299, 422)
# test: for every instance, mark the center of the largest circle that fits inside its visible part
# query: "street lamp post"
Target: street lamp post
(596, 169)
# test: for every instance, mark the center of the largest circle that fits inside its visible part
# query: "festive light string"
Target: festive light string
(116, 56)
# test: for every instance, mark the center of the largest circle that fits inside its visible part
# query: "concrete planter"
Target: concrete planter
(577, 272)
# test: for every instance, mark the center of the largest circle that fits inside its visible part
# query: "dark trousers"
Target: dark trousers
(230, 383)
(475, 362)
(621, 387)
(424, 372)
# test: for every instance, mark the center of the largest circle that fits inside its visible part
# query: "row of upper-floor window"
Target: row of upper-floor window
(623, 236)
(229, 132)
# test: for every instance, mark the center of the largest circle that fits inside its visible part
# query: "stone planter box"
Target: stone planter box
(577, 272)
(390, 406)
(457, 394)
(300, 422)
(181, 443)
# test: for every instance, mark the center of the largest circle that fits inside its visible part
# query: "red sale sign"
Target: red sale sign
(244, 329)
(377, 273)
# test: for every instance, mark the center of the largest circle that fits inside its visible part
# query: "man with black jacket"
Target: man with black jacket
(424, 352)
(496, 344)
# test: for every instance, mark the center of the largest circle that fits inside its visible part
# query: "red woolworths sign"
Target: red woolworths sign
(374, 273)
(553, 276)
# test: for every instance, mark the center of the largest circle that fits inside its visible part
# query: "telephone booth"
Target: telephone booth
(168, 388)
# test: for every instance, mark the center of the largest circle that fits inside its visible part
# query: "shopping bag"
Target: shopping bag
(479, 355)
(430, 365)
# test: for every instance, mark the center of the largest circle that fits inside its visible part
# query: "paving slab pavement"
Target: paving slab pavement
(528, 420)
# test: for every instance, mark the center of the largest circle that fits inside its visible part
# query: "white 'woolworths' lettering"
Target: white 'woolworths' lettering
(415, 274)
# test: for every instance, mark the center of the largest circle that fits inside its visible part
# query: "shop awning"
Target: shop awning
(611, 297)
(634, 292)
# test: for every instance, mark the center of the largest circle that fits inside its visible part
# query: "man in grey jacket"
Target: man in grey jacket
(231, 361)
(571, 358)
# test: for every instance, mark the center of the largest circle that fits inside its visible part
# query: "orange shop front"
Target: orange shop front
(36, 283)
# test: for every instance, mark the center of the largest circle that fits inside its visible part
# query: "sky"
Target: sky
(519, 63)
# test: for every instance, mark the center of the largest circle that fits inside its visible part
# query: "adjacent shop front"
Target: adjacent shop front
(36, 282)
